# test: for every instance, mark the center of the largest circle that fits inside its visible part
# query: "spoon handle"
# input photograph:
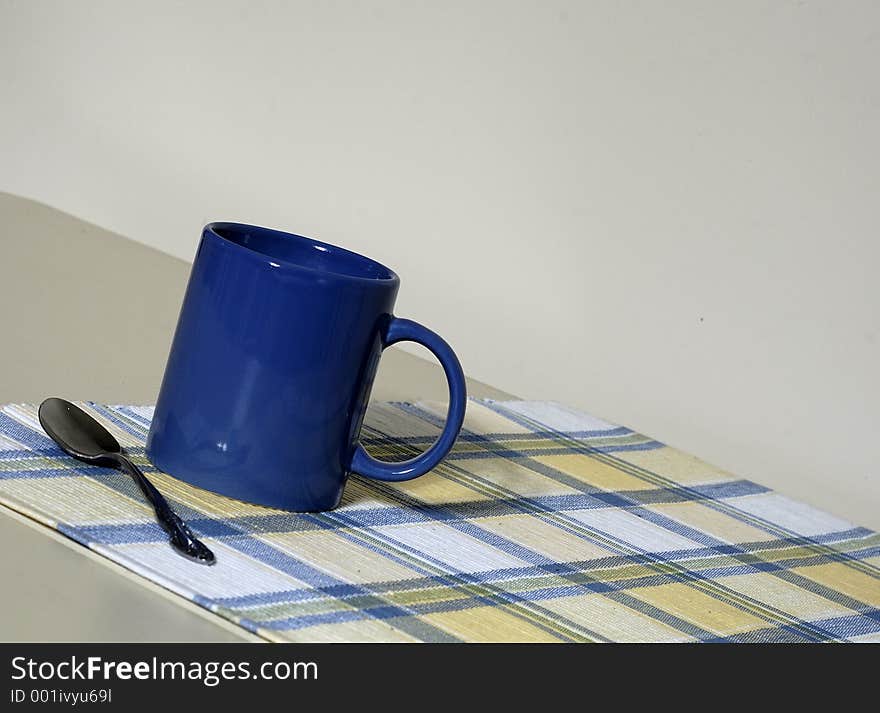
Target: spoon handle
(182, 538)
(157, 500)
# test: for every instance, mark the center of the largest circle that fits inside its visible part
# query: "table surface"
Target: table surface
(89, 315)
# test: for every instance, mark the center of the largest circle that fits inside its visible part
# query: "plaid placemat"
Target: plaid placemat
(543, 524)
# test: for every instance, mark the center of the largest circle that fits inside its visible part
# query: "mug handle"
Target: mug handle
(398, 330)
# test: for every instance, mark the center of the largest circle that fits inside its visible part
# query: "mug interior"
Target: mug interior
(301, 251)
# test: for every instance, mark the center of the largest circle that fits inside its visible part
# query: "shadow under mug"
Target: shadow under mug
(270, 370)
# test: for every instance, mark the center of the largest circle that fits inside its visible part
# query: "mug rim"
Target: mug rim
(336, 252)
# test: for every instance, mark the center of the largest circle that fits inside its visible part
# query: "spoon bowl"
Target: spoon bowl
(77, 433)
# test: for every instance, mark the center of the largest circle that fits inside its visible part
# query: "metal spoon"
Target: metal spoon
(82, 437)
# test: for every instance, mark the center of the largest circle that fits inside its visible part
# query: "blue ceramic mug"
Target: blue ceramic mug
(271, 366)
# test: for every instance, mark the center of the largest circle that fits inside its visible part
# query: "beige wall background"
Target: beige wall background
(663, 213)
